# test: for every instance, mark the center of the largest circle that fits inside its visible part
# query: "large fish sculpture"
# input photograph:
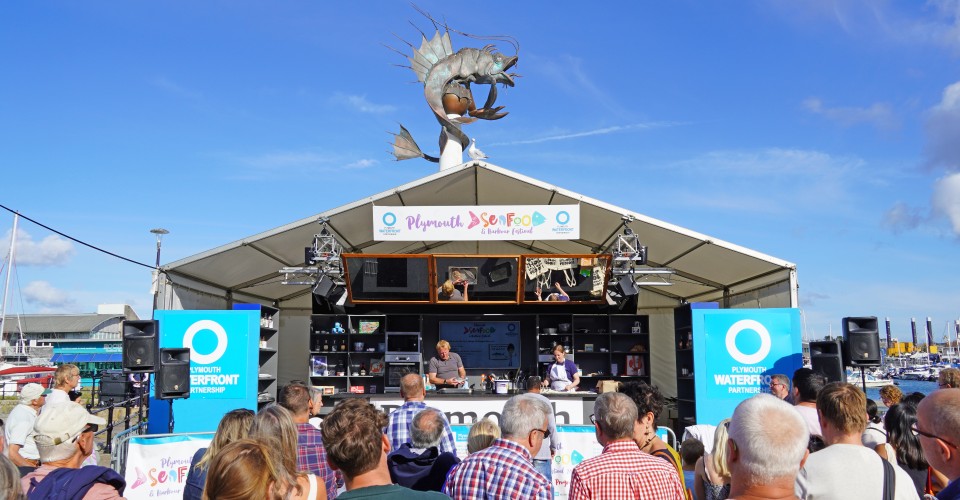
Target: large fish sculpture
(446, 76)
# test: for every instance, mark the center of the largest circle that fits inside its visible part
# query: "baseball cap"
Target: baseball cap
(62, 422)
(32, 391)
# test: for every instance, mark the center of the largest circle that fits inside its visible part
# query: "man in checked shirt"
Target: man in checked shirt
(311, 457)
(622, 470)
(505, 470)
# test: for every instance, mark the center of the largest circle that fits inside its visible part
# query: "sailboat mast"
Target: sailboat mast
(6, 285)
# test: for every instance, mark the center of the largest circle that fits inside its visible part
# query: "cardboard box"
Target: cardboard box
(357, 389)
(326, 390)
(607, 386)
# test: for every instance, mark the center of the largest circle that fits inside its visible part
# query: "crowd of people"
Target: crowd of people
(769, 448)
(48, 444)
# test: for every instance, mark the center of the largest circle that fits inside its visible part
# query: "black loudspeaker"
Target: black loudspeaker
(626, 286)
(114, 387)
(141, 346)
(861, 338)
(173, 374)
(323, 287)
(827, 359)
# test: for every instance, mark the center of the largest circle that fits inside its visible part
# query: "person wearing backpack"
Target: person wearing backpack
(64, 436)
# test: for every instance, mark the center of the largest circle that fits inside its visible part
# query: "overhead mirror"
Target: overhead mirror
(565, 278)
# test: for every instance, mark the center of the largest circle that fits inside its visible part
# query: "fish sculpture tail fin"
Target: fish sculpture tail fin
(405, 148)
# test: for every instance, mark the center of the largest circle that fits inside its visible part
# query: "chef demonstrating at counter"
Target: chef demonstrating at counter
(446, 368)
(562, 375)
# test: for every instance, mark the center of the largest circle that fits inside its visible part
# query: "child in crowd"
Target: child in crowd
(690, 451)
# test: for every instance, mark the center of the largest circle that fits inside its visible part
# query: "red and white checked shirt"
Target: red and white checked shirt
(623, 471)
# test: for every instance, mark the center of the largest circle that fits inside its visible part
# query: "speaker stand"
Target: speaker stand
(170, 424)
(863, 381)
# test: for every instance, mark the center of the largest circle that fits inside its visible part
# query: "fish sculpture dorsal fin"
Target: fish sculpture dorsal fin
(430, 53)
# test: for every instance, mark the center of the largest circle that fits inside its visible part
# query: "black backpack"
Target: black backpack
(73, 484)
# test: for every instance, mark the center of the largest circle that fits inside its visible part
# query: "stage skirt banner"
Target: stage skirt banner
(157, 467)
(577, 443)
(476, 223)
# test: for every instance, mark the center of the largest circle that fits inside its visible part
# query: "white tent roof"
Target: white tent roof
(706, 268)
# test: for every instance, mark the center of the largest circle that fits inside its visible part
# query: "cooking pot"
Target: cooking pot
(501, 386)
(564, 327)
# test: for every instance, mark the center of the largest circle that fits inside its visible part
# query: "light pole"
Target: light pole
(159, 231)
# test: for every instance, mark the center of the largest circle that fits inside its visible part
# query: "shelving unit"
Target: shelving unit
(596, 342)
(269, 344)
(684, 344)
(603, 346)
(349, 360)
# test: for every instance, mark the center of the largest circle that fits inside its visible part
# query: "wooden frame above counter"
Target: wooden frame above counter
(491, 279)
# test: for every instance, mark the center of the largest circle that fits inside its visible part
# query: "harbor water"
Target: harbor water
(907, 386)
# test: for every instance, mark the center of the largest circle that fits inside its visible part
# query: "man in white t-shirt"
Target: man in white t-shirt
(845, 468)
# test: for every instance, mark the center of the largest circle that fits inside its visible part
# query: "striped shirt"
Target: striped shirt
(398, 427)
(623, 471)
(502, 471)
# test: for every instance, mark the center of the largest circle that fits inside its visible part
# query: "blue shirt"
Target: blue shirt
(398, 427)
(951, 492)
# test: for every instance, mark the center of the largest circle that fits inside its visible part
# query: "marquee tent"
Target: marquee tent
(705, 268)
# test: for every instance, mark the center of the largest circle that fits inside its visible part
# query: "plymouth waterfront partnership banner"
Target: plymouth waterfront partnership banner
(735, 353)
(476, 223)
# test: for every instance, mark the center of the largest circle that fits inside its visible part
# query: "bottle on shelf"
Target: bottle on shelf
(363, 369)
(326, 345)
(343, 345)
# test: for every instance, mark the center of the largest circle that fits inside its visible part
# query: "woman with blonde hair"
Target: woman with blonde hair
(713, 476)
(273, 427)
(233, 426)
(245, 469)
(482, 434)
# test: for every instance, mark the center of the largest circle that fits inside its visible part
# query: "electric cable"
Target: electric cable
(71, 238)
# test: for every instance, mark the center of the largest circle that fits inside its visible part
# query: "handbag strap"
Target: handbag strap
(889, 480)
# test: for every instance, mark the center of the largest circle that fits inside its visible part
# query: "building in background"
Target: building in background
(91, 341)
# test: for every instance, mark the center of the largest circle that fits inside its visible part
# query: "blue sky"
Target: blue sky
(822, 133)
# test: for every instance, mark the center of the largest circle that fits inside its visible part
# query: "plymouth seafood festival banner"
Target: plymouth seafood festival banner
(476, 223)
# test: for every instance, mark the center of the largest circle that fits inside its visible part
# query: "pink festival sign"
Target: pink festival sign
(476, 223)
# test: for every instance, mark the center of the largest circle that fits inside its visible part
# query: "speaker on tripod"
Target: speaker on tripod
(173, 374)
(861, 338)
(826, 359)
(141, 346)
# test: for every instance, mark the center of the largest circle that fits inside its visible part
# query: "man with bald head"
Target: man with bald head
(938, 428)
(398, 427)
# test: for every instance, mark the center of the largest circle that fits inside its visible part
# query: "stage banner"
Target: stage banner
(224, 349)
(158, 466)
(735, 353)
(468, 411)
(476, 223)
(577, 443)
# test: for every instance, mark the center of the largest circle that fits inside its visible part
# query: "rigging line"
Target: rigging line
(71, 238)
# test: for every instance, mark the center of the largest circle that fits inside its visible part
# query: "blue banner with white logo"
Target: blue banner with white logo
(735, 353)
(224, 362)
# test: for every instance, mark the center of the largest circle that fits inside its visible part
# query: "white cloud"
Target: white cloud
(53, 250)
(902, 217)
(588, 133)
(361, 104)
(771, 180)
(946, 200)
(943, 130)
(878, 114)
(362, 163)
(42, 293)
(286, 159)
